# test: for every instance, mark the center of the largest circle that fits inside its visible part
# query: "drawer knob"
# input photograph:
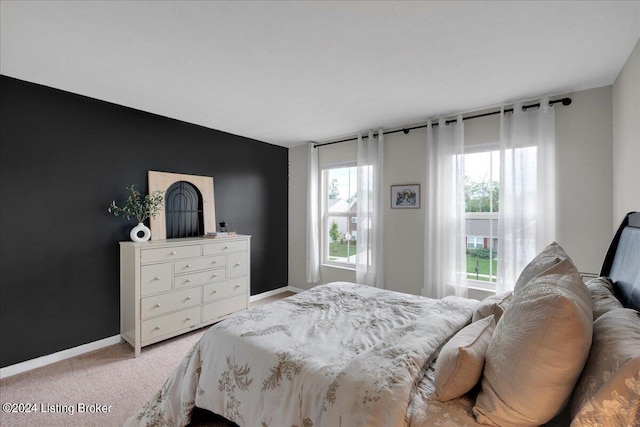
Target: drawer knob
(188, 266)
(236, 286)
(157, 328)
(214, 262)
(214, 292)
(157, 305)
(188, 318)
(174, 253)
(156, 278)
(188, 280)
(237, 264)
(225, 248)
(215, 275)
(188, 298)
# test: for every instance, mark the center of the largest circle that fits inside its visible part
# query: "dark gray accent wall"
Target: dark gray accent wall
(63, 158)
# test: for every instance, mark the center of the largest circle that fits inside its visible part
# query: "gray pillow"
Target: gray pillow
(608, 392)
(492, 305)
(603, 297)
(459, 365)
(537, 351)
(548, 257)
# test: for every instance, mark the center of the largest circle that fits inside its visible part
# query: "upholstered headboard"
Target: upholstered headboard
(622, 262)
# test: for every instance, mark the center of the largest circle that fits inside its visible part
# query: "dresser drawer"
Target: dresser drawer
(155, 278)
(171, 301)
(169, 253)
(237, 264)
(154, 328)
(163, 282)
(224, 289)
(200, 277)
(223, 307)
(224, 247)
(196, 264)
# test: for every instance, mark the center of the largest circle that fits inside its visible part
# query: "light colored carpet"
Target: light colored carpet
(110, 379)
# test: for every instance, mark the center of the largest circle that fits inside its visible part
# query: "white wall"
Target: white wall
(584, 140)
(626, 138)
(585, 177)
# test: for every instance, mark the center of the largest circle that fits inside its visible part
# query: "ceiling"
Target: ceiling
(287, 72)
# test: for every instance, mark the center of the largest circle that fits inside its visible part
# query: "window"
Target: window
(339, 215)
(475, 242)
(482, 200)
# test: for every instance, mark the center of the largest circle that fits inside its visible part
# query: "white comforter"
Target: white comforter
(337, 355)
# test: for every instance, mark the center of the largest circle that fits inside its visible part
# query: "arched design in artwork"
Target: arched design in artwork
(183, 211)
(202, 185)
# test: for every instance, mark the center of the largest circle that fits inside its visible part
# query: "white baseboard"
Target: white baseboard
(268, 294)
(295, 290)
(39, 362)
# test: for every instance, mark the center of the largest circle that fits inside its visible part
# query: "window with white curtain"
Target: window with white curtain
(482, 201)
(339, 215)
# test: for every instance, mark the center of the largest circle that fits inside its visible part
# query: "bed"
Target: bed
(555, 351)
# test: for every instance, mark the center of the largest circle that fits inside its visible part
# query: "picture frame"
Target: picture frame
(405, 196)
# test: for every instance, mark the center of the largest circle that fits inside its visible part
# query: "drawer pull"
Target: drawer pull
(157, 328)
(215, 275)
(188, 318)
(188, 280)
(174, 253)
(236, 286)
(214, 292)
(156, 278)
(225, 248)
(188, 298)
(214, 262)
(187, 266)
(157, 306)
(237, 264)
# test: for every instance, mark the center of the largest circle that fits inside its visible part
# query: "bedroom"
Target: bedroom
(65, 157)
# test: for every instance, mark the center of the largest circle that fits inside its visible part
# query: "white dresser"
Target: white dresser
(169, 287)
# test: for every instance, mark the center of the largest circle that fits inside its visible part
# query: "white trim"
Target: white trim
(39, 362)
(268, 294)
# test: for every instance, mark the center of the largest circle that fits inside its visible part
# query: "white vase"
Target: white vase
(140, 228)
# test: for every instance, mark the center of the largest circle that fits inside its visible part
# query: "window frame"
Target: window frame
(486, 285)
(325, 214)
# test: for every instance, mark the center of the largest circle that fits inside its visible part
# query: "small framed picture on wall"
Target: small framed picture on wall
(406, 196)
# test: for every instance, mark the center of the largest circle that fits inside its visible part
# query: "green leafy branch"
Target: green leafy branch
(139, 207)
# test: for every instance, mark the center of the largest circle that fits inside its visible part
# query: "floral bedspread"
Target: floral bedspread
(337, 355)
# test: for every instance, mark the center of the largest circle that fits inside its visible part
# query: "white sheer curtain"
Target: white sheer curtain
(527, 189)
(445, 263)
(313, 241)
(369, 240)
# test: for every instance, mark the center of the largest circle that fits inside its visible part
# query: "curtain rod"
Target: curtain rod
(564, 101)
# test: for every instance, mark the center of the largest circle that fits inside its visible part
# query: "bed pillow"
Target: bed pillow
(459, 365)
(492, 305)
(608, 391)
(603, 297)
(537, 351)
(550, 256)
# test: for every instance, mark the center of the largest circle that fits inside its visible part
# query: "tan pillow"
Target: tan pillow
(492, 305)
(459, 365)
(603, 297)
(548, 257)
(608, 392)
(537, 351)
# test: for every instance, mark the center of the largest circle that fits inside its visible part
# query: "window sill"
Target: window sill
(480, 285)
(340, 267)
